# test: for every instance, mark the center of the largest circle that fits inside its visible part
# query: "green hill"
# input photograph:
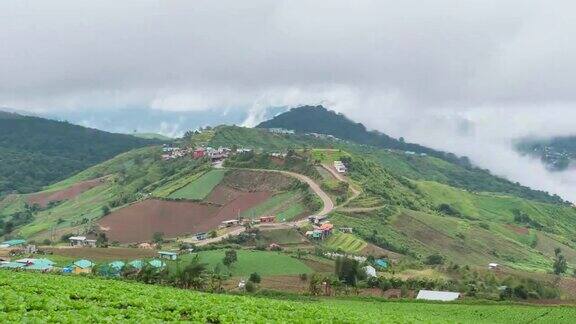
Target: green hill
(35, 152)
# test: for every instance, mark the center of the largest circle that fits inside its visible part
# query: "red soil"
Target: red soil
(138, 222)
(43, 198)
(222, 195)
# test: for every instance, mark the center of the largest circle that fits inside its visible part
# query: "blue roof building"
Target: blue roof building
(11, 243)
(382, 263)
(157, 263)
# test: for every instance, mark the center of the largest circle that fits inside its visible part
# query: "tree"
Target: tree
(434, 259)
(212, 234)
(102, 240)
(349, 270)
(230, 257)
(158, 237)
(560, 265)
(255, 277)
(105, 210)
(194, 275)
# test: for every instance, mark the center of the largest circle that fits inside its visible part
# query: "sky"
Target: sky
(468, 77)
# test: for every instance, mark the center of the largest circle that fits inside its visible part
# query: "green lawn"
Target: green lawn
(200, 188)
(292, 212)
(264, 262)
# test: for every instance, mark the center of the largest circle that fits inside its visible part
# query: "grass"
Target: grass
(172, 186)
(345, 241)
(328, 156)
(291, 212)
(282, 236)
(264, 263)
(200, 188)
(273, 205)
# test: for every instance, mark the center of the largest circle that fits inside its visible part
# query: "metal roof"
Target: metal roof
(83, 264)
(437, 295)
(167, 253)
(13, 242)
(157, 263)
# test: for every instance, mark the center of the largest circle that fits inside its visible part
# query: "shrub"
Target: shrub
(255, 278)
(434, 259)
(250, 287)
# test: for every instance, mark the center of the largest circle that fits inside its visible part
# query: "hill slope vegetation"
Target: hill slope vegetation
(35, 152)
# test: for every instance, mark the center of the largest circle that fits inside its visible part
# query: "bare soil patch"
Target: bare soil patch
(138, 222)
(44, 198)
(222, 195)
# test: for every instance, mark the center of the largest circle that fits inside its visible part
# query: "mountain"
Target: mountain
(410, 206)
(446, 168)
(556, 153)
(35, 152)
(317, 119)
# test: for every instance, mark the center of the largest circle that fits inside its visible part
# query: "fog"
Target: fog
(468, 77)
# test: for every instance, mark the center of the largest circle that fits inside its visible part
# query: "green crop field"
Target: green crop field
(273, 205)
(345, 242)
(201, 187)
(291, 212)
(172, 186)
(31, 297)
(264, 262)
(327, 156)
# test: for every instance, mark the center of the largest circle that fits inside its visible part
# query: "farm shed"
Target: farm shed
(137, 264)
(370, 271)
(155, 263)
(11, 243)
(267, 219)
(40, 265)
(381, 263)
(438, 295)
(81, 241)
(230, 223)
(168, 255)
(82, 266)
(12, 265)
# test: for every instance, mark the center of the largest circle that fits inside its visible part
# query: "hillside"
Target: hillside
(35, 152)
(557, 153)
(399, 157)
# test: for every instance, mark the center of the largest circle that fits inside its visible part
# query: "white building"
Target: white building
(81, 241)
(339, 166)
(370, 271)
(438, 295)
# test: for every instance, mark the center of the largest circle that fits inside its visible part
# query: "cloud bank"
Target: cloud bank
(463, 76)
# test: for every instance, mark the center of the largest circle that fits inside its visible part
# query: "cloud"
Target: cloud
(467, 77)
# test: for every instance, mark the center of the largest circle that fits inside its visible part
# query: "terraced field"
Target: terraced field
(345, 241)
(200, 188)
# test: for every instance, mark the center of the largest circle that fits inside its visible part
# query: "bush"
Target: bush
(250, 287)
(255, 278)
(434, 259)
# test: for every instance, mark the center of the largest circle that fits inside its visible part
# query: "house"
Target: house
(326, 229)
(81, 241)
(12, 265)
(12, 243)
(316, 219)
(201, 236)
(199, 153)
(370, 271)
(30, 249)
(493, 266)
(281, 131)
(113, 268)
(267, 219)
(345, 229)
(39, 264)
(437, 295)
(315, 234)
(82, 266)
(230, 223)
(381, 263)
(168, 255)
(339, 166)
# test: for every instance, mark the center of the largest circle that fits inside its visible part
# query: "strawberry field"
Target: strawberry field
(29, 297)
